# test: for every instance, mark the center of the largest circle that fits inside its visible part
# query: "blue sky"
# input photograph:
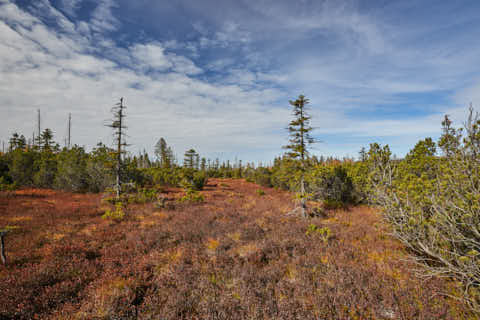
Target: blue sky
(217, 75)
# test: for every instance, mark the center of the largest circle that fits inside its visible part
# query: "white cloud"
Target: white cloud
(151, 55)
(70, 6)
(103, 19)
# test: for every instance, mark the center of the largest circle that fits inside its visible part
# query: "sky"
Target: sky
(217, 76)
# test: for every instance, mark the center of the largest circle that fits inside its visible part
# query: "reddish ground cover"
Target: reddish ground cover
(235, 256)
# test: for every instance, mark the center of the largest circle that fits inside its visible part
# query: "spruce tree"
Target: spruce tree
(299, 130)
(164, 154)
(46, 139)
(190, 159)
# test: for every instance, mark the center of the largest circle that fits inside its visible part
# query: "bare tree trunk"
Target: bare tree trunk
(119, 147)
(303, 202)
(2, 248)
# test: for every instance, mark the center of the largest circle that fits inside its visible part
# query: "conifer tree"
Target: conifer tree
(190, 159)
(300, 138)
(164, 154)
(46, 139)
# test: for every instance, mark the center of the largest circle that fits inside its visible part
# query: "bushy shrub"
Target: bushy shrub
(323, 232)
(165, 176)
(23, 166)
(260, 192)
(142, 195)
(4, 164)
(72, 170)
(99, 169)
(262, 176)
(6, 186)
(286, 174)
(199, 180)
(118, 214)
(331, 184)
(433, 205)
(193, 179)
(192, 196)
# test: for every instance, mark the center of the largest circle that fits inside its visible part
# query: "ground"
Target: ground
(237, 255)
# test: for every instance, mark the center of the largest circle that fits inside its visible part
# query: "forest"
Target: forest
(106, 234)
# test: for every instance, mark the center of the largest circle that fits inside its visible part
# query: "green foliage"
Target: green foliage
(260, 192)
(118, 214)
(299, 129)
(131, 173)
(199, 180)
(4, 164)
(23, 164)
(164, 154)
(191, 160)
(193, 179)
(142, 195)
(286, 173)
(331, 184)
(5, 186)
(47, 169)
(358, 172)
(192, 196)
(72, 170)
(324, 232)
(433, 204)
(165, 176)
(100, 168)
(260, 176)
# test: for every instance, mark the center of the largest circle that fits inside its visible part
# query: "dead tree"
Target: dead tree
(2, 246)
(119, 127)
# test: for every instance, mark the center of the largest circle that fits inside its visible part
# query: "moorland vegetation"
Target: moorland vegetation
(170, 246)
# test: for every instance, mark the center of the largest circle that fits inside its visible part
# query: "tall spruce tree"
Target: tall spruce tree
(299, 130)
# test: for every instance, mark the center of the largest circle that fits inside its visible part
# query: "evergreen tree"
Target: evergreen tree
(299, 130)
(197, 161)
(450, 139)
(164, 154)
(17, 142)
(46, 139)
(190, 157)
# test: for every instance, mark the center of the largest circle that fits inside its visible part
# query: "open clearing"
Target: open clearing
(235, 256)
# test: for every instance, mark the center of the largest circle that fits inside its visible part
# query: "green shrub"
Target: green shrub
(330, 184)
(199, 180)
(5, 186)
(433, 205)
(324, 233)
(260, 192)
(192, 196)
(142, 195)
(262, 177)
(72, 170)
(165, 176)
(23, 165)
(118, 214)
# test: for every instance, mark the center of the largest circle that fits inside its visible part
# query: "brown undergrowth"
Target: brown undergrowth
(234, 256)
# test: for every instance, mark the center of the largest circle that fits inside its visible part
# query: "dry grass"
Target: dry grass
(236, 256)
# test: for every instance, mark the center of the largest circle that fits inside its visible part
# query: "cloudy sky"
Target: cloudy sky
(217, 75)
